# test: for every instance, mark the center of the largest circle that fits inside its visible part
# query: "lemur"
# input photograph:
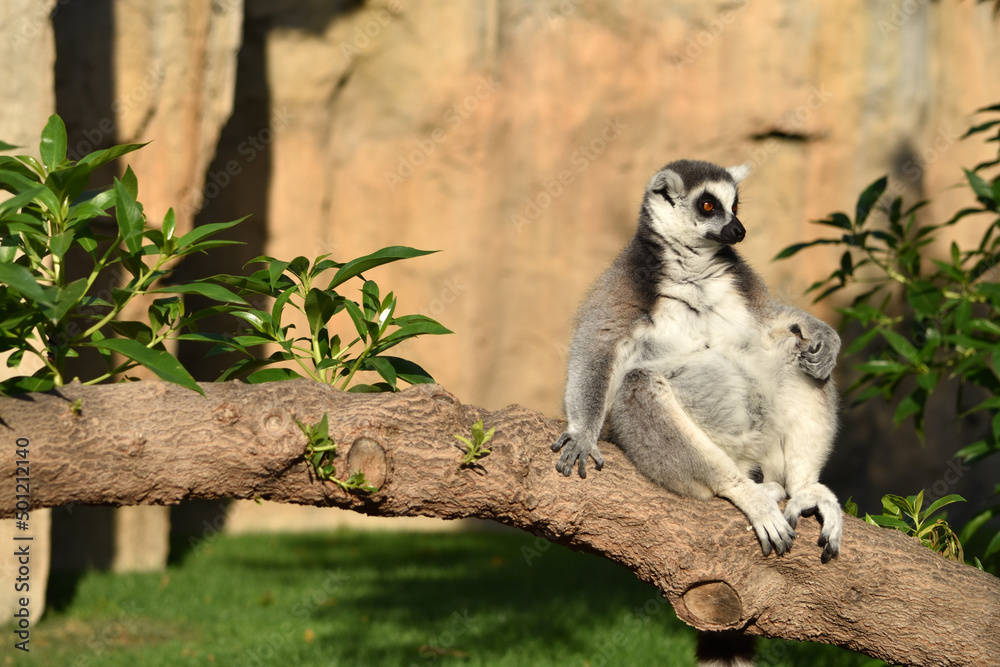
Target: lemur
(681, 357)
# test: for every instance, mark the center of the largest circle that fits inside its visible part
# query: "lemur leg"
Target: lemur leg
(647, 421)
(806, 444)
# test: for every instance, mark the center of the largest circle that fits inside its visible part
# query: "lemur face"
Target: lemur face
(696, 203)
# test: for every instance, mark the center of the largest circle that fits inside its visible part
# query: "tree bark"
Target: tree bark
(156, 443)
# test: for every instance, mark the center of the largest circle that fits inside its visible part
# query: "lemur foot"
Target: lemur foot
(818, 499)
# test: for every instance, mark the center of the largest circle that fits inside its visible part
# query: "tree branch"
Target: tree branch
(155, 443)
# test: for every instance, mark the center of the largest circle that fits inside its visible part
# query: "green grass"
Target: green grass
(377, 599)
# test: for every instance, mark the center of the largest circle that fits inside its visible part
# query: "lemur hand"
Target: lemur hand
(575, 451)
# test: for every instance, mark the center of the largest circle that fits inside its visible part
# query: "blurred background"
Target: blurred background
(516, 137)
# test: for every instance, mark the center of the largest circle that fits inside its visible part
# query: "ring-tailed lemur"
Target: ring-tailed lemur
(682, 359)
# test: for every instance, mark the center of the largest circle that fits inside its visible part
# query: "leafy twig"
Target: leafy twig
(320, 453)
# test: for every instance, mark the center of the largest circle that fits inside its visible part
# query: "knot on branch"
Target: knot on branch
(711, 605)
(368, 456)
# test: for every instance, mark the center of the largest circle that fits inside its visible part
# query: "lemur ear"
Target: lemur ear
(667, 184)
(739, 172)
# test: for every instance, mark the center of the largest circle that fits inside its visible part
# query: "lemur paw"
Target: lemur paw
(819, 500)
(576, 452)
(773, 531)
(759, 502)
(818, 355)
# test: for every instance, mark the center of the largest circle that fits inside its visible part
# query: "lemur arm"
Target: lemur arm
(589, 389)
(808, 442)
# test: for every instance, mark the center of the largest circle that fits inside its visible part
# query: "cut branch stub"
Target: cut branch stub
(714, 604)
(368, 457)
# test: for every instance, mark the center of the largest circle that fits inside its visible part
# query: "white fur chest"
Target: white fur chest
(699, 316)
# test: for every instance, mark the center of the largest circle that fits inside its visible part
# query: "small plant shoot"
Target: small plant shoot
(320, 453)
(909, 516)
(474, 449)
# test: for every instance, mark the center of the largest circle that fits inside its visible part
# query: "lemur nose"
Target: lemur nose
(734, 232)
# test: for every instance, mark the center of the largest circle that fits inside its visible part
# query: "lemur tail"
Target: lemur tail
(725, 649)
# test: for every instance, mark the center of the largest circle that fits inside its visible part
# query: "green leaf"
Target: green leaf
(908, 406)
(358, 318)
(984, 325)
(839, 220)
(891, 522)
(941, 502)
(169, 224)
(158, 361)
(319, 308)
(16, 183)
(98, 158)
(851, 507)
(384, 368)
(979, 186)
(59, 244)
(796, 247)
(68, 183)
(203, 231)
(409, 371)
(377, 258)
(25, 283)
(976, 522)
(209, 290)
(21, 200)
(861, 341)
(272, 375)
(963, 314)
(131, 182)
(896, 505)
(882, 367)
(135, 331)
(993, 546)
(900, 344)
(22, 384)
(4, 146)
(299, 267)
(279, 305)
(974, 452)
(927, 381)
(53, 145)
(369, 388)
(68, 297)
(258, 319)
(415, 328)
(868, 199)
(274, 270)
(925, 298)
(370, 299)
(129, 217)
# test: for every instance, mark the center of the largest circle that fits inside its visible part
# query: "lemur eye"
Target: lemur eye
(735, 206)
(707, 206)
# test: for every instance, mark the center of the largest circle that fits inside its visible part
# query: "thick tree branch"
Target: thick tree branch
(155, 443)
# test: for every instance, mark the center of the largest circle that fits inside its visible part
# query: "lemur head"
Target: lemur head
(696, 202)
